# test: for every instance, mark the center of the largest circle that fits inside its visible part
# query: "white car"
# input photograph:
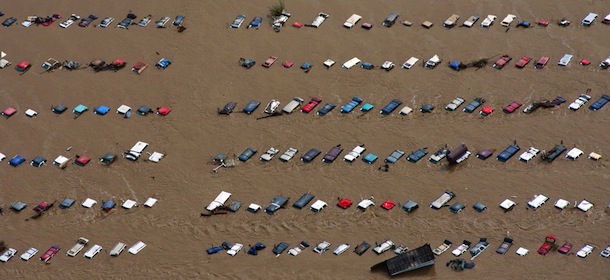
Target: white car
(581, 100)
(70, 21)
(410, 62)
(7, 255)
(289, 154)
(488, 21)
(354, 154)
(388, 65)
(453, 105)
(565, 59)
(605, 253)
(508, 20)
(529, 154)
(585, 251)
(107, 21)
(386, 245)
(269, 154)
(538, 201)
(340, 249)
(461, 249)
(322, 247)
(471, 21)
(29, 254)
(235, 249)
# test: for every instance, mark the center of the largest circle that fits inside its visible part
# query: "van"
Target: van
(442, 200)
(606, 19)
(538, 201)
(565, 60)
(136, 248)
(351, 63)
(292, 105)
(93, 251)
(410, 63)
(508, 20)
(136, 151)
(117, 249)
(390, 20)
(352, 21)
(588, 20)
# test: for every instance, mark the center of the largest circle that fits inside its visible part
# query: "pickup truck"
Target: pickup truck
(80, 244)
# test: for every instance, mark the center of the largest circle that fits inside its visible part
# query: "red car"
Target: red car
(49, 254)
(486, 111)
(23, 67)
(512, 107)
(344, 203)
(388, 204)
(523, 61)
(548, 244)
(311, 104)
(287, 64)
(502, 61)
(565, 248)
(43, 206)
(50, 19)
(269, 61)
(541, 62)
(543, 23)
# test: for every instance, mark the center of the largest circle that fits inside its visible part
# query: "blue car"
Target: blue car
(599, 103)
(311, 155)
(388, 109)
(509, 152)
(417, 155)
(247, 154)
(256, 22)
(163, 63)
(474, 104)
(355, 102)
(395, 156)
(326, 108)
(251, 106)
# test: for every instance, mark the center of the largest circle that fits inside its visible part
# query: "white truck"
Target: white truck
(80, 244)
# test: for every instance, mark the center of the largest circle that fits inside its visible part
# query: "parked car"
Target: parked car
(390, 20)
(145, 21)
(382, 247)
(394, 156)
(235, 249)
(127, 22)
(579, 102)
(585, 251)
(50, 253)
(471, 21)
(106, 21)
(474, 104)
(238, 21)
(86, 21)
(417, 155)
(246, 154)
(553, 153)
(565, 248)
(269, 61)
(310, 155)
(454, 104)
(387, 65)
(69, 21)
(439, 155)
(488, 21)
(523, 61)
(326, 109)
(322, 247)
(509, 152)
(605, 253)
(512, 107)
(162, 22)
(8, 254)
(179, 20)
(311, 104)
(599, 103)
(502, 61)
(355, 102)
(332, 154)
(288, 154)
(542, 61)
(9, 21)
(269, 154)
(478, 248)
(29, 253)
(276, 203)
(506, 244)
(390, 107)
(292, 105)
(251, 106)
(256, 22)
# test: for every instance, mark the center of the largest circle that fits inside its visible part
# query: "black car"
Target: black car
(417, 155)
(311, 155)
(128, 21)
(280, 248)
(9, 21)
(277, 203)
(227, 109)
(508, 242)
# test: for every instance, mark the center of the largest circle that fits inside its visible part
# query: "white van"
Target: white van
(588, 20)
(319, 20)
(136, 151)
(93, 251)
(292, 105)
(351, 63)
(136, 248)
(508, 20)
(410, 63)
(117, 249)
(352, 21)
(538, 201)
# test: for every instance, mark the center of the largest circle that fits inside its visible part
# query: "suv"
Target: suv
(390, 20)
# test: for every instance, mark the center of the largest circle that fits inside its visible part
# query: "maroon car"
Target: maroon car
(512, 107)
(502, 61)
(43, 206)
(49, 254)
(523, 61)
(565, 248)
(311, 104)
(333, 154)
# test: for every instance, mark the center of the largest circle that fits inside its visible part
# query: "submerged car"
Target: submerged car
(247, 154)
(238, 21)
(277, 203)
